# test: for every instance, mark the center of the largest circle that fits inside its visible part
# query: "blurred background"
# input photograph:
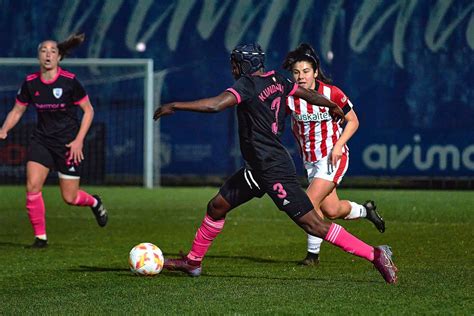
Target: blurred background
(407, 67)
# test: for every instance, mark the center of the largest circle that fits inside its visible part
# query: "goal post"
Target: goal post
(142, 72)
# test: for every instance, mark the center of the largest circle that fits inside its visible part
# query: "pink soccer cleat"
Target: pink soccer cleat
(183, 264)
(383, 262)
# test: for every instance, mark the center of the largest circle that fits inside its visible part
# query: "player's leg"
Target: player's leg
(334, 208)
(36, 175)
(73, 195)
(317, 192)
(69, 182)
(233, 193)
(335, 234)
(290, 198)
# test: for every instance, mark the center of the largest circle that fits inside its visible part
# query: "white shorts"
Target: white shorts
(324, 170)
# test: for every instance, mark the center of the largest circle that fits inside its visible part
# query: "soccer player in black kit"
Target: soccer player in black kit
(58, 139)
(260, 100)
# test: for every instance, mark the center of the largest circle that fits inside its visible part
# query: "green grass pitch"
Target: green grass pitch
(250, 269)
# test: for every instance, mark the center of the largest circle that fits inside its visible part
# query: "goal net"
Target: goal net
(119, 145)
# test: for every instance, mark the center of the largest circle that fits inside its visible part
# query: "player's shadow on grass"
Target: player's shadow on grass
(246, 258)
(7, 244)
(98, 269)
(240, 258)
(290, 278)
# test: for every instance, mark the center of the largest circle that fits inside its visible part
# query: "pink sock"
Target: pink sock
(204, 236)
(36, 211)
(84, 199)
(338, 236)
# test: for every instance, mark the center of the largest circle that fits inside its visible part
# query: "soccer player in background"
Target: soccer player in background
(260, 100)
(323, 145)
(58, 139)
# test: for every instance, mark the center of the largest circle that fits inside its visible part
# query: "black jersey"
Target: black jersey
(56, 104)
(261, 116)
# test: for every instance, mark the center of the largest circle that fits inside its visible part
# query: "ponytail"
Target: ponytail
(70, 43)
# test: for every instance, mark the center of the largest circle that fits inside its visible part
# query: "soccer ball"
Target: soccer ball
(146, 259)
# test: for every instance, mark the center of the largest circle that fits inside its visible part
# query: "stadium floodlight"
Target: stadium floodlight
(102, 78)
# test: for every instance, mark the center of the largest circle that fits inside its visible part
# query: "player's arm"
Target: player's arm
(208, 105)
(315, 98)
(77, 144)
(352, 124)
(12, 119)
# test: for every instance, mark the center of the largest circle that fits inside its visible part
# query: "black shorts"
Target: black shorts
(53, 157)
(279, 182)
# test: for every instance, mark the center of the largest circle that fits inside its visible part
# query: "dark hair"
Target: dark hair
(249, 58)
(65, 47)
(304, 52)
(71, 42)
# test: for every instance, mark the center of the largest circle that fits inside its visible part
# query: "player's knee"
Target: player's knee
(33, 187)
(217, 208)
(331, 213)
(69, 199)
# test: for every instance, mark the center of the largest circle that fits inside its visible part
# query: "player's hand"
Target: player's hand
(3, 134)
(75, 151)
(336, 154)
(165, 109)
(337, 114)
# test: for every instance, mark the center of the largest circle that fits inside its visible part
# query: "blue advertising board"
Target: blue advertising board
(407, 67)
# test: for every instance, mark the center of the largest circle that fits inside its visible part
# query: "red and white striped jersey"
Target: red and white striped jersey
(314, 129)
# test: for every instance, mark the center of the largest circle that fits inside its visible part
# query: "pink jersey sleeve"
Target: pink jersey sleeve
(236, 94)
(21, 103)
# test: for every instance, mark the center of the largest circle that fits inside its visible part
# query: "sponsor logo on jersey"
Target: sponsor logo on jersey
(49, 106)
(312, 117)
(57, 92)
(344, 99)
(285, 202)
(37, 94)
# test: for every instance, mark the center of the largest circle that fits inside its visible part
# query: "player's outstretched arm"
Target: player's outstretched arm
(208, 105)
(315, 98)
(12, 119)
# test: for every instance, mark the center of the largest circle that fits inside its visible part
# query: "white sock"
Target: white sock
(357, 211)
(42, 237)
(95, 202)
(314, 244)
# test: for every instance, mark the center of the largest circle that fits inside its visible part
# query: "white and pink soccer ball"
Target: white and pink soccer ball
(146, 259)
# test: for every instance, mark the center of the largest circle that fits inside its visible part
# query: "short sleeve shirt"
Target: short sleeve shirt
(261, 116)
(56, 103)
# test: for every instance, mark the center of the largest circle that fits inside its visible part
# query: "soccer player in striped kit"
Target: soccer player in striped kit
(323, 145)
(259, 97)
(58, 139)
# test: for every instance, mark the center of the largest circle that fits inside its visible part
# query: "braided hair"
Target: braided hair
(304, 52)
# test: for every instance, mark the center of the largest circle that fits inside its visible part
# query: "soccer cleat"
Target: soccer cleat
(312, 259)
(38, 243)
(183, 264)
(373, 216)
(100, 212)
(383, 262)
